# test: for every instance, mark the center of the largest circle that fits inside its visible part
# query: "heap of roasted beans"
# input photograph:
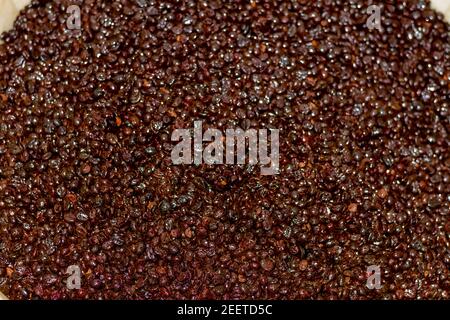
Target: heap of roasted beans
(86, 178)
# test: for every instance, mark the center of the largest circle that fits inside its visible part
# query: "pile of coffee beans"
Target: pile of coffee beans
(86, 178)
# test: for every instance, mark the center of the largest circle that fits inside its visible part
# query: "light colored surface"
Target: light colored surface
(9, 9)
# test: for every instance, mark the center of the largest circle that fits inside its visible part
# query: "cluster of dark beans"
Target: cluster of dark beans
(86, 178)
